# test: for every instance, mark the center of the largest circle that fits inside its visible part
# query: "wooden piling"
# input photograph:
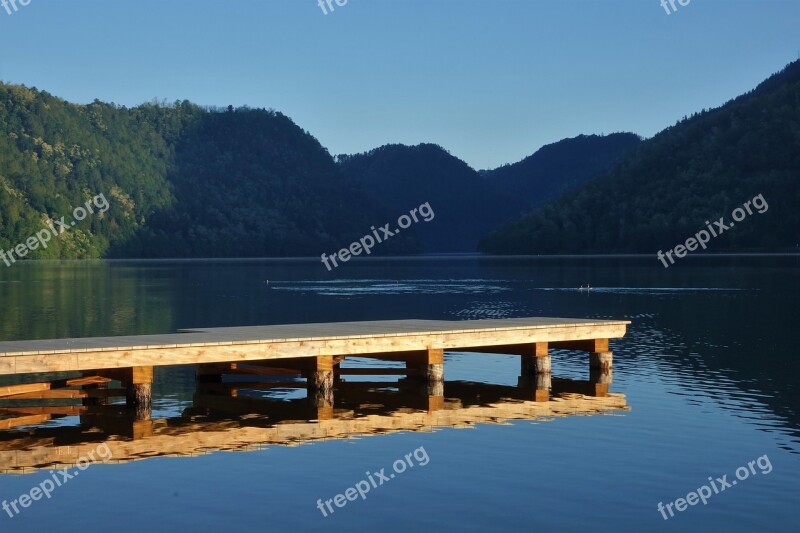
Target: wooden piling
(601, 361)
(320, 380)
(139, 389)
(598, 375)
(535, 359)
(427, 365)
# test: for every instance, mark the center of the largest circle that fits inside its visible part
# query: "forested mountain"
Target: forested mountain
(180, 181)
(402, 177)
(252, 183)
(561, 166)
(700, 169)
(54, 156)
(187, 181)
(469, 204)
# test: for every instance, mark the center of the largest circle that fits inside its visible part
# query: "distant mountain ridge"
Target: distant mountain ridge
(181, 181)
(697, 170)
(400, 177)
(561, 166)
(470, 204)
(187, 181)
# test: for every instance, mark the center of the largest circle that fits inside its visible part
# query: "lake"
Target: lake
(704, 394)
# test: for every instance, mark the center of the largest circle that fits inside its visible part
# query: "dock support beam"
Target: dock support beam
(601, 361)
(536, 360)
(536, 370)
(425, 396)
(600, 357)
(98, 399)
(139, 390)
(320, 380)
(427, 365)
(596, 375)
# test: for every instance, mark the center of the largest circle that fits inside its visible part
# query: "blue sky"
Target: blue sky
(491, 81)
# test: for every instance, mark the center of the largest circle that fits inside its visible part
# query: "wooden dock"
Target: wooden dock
(313, 350)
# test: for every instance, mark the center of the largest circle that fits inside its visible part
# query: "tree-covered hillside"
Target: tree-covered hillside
(187, 181)
(180, 180)
(55, 156)
(252, 183)
(700, 169)
(400, 177)
(561, 166)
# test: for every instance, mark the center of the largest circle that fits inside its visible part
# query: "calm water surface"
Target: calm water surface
(704, 382)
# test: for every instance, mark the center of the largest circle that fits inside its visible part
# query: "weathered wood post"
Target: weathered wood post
(600, 357)
(320, 382)
(432, 393)
(598, 375)
(601, 373)
(435, 389)
(139, 390)
(536, 360)
(536, 370)
(427, 365)
(601, 360)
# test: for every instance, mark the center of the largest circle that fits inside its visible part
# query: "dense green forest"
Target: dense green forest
(402, 177)
(186, 181)
(560, 167)
(700, 169)
(470, 204)
(252, 183)
(54, 156)
(181, 181)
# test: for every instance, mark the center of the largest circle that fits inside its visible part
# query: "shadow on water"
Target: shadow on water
(240, 416)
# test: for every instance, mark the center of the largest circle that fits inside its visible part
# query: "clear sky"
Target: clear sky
(490, 80)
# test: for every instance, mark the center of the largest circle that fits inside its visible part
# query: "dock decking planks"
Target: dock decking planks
(296, 340)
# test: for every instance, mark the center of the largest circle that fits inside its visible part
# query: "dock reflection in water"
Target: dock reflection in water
(246, 416)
